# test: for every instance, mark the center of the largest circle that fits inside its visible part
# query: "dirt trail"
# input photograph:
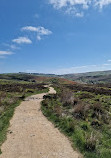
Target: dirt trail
(31, 135)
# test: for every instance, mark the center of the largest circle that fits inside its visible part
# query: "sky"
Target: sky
(55, 36)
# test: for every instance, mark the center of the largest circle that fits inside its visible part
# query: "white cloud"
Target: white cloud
(109, 60)
(5, 53)
(29, 28)
(78, 6)
(41, 31)
(102, 3)
(79, 14)
(21, 40)
(74, 7)
(65, 3)
(72, 10)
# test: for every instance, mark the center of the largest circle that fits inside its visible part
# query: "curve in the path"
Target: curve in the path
(31, 135)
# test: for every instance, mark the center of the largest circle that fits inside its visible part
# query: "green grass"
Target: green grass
(4, 81)
(93, 141)
(4, 121)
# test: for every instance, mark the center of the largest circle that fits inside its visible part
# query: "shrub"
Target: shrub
(81, 110)
(85, 95)
(57, 109)
(91, 115)
(90, 144)
(29, 90)
(96, 123)
(97, 107)
(22, 96)
(67, 97)
(76, 100)
(85, 126)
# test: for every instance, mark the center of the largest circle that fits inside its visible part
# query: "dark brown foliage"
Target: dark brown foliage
(80, 110)
(90, 88)
(58, 110)
(91, 142)
(20, 87)
(67, 97)
(86, 95)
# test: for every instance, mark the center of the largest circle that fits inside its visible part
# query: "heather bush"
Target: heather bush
(90, 144)
(67, 97)
(83, 116)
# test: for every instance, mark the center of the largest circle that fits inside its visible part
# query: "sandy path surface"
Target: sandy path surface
(31, 135)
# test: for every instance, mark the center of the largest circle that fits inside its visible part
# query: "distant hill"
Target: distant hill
(90, 77)
(35, 77)
(39, 74)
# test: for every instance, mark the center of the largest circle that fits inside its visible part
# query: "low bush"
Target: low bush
(91, 141)
(67, 97)
(86, 121)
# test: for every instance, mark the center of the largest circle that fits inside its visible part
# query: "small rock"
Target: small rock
(32, 135)
(10, 132)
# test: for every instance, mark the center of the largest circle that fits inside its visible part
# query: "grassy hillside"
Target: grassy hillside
(81, 111)
(35, 78)
(98, 77)
(90, 77)
(84, 115)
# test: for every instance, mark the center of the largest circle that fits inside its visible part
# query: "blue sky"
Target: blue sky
(55, 36)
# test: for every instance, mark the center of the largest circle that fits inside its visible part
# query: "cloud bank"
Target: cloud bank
(78, 7)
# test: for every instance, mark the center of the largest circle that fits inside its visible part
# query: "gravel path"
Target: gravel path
(31, 135)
